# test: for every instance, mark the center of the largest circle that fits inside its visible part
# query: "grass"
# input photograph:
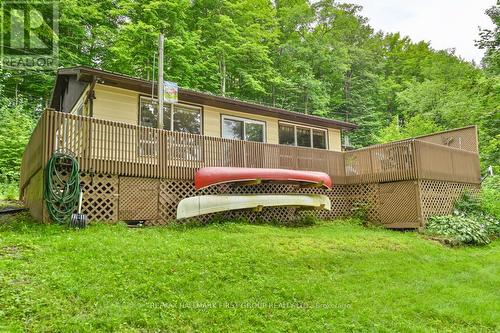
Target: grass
(240, 277)
(9, 191)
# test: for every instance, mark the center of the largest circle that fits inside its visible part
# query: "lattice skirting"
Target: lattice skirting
(100, 196)
(173, 191)
(438, 197)
(405, 204)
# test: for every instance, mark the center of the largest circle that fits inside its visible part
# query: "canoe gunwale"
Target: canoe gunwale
(208, 204)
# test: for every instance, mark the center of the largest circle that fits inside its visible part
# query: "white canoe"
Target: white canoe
(206, 204)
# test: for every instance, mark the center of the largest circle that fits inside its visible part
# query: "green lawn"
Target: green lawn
(238, 277)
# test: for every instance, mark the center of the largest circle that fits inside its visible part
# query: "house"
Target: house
(134, 168)
(110, 96)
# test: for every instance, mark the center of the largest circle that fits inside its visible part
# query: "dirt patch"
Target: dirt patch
(13, 251)
(442, 240)
(10, 204)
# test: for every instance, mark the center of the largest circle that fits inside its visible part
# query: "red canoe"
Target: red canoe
(205, 177)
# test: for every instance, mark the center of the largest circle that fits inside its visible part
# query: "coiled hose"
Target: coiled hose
(62, 186)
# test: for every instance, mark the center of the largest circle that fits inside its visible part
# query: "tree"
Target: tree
(415, 126)
(490, 42)
(316, 57)
(14, 135)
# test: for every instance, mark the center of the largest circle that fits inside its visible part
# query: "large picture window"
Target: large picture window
(302, 136)
(176, 117)
(243, 129)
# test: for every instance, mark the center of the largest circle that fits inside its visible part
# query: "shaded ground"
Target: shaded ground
(237, 277)
(10, 204)
(8, 208)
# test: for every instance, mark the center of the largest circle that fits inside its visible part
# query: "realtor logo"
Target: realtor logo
(29, 35)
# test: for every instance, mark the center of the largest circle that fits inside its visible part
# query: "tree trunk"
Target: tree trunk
(222, 66)
(274, 96)
(347, 93)
(306, 103)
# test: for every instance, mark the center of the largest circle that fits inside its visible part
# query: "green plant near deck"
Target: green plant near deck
(359, 211)
(457, 230)
(473, 207)
(490, 196)
(470, 223)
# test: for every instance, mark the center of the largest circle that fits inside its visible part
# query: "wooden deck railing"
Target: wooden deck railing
(440, 162)
(103, 146)
(34, 153)
(381, 163)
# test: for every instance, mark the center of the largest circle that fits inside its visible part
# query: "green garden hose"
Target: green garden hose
(62, 186)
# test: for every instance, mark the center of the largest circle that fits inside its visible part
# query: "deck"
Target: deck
(136, 173)
(127, 150)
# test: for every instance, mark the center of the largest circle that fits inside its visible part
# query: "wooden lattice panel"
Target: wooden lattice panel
(338, 198)
(138, 198)
(100, 197)
(461, 138)
(173, 191)
(364, 195)
(170, 193)
(397, 205)
(268, 214)
(342, 197)
(438, 197)
(33, 196)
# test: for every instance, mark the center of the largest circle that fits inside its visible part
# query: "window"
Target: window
(243, 129)
(186, 119)
(254, 132)
(302, 136)
(233, 129)
(177, 117)
(287, 135)
(319, 139)
(148, 113)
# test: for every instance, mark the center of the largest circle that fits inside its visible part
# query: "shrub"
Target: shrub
(470, 223)
(457, 230)
(467, 204)
(490, 196)
(354, 221)
(9, 191)
(359, 210)
(491, 224)
(472, 207)
(305, 220)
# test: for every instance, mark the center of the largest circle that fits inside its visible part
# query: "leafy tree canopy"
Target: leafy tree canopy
(318, 57)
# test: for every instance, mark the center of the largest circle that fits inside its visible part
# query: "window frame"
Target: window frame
(311, 129)
(244, 120)
(172, 105)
